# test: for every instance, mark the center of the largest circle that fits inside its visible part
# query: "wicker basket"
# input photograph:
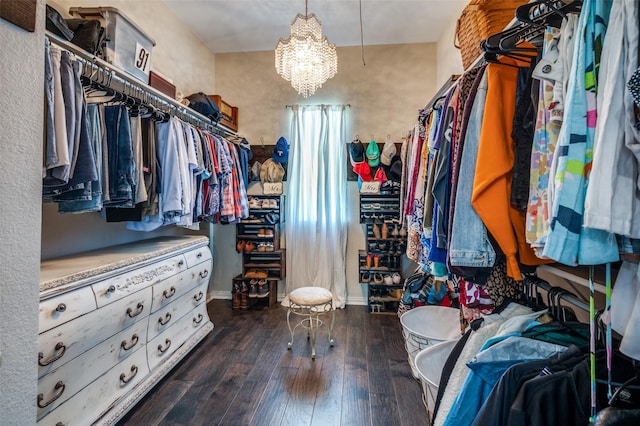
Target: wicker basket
(479, 20)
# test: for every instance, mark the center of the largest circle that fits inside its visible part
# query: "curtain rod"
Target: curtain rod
(106, 75)
(291, 106)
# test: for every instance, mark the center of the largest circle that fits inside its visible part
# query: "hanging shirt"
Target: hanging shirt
(568, 241)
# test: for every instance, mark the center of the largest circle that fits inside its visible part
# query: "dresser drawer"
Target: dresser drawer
(65, 307)
(93, 401)
(117, 287)
(167, 316)
(166, 343)
(61, 344)
(172, 288)
(197, 256)
(92, 363)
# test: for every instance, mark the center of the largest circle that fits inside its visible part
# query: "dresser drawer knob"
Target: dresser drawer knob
(138, 311)
(198, 320)
(111, 289)
(166, 319)
(198, 297)
(59, 347)
(60, 424)
(124, 379)
(199, 255)
(170, 293)
(168, 345)
(58, 391)
(203, 274)
(181, 263)
(61, 308)
(134, 341)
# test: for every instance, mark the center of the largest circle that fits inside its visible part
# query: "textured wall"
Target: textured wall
(385, 96)
(178, 53)
(21, 76)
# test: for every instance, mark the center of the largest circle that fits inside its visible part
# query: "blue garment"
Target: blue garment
(568, 241)
(469, 241)
(120, 157)
(486, 369)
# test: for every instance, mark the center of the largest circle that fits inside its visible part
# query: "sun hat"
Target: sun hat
(281, 151)
(388, 151)
(373, 154)
(356, 152)
(271, 172)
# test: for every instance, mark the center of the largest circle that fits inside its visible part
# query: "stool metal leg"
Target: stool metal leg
(291, 330)
(313, 331)
(333, 319)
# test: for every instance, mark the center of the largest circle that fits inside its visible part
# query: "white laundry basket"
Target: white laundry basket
(429, 363)
(426, 326)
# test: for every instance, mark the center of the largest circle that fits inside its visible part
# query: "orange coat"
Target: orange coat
(492, 181)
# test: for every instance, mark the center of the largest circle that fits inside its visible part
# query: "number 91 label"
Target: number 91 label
(142, 60)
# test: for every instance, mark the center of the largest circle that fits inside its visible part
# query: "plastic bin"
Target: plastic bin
(127, 45)
(427, 326)
(429, 363)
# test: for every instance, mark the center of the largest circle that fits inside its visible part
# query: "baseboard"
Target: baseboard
(226, 295)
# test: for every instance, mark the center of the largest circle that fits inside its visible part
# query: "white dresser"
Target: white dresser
(114, 321)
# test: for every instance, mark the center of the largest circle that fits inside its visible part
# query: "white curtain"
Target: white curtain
(316, 207)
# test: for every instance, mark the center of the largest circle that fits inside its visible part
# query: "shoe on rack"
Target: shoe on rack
(387, 279)
(263, 288)
(253, 288)
(369, 263)
(268, 232)
(396, 278)
(385, 231)
(249, 246)
(394, 232)
(376, 261)
(240, 246)
(376, 231)
(244, 303)
(254, 203)
(235, 300)
(377, 278)
(365, 277)
(261, 232)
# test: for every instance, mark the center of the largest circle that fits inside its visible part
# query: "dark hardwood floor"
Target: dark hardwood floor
(243, 374)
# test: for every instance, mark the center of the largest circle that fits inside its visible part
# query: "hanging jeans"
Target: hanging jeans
(469, 242)
(120, 157)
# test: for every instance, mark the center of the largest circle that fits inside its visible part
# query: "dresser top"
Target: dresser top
(65, 270)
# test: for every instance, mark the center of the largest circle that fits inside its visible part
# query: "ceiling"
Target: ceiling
(250, 25)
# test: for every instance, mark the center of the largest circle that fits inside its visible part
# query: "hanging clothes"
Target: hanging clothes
(492, 181)
(568, 241)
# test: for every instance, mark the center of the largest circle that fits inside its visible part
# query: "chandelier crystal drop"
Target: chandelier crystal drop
(306, 58)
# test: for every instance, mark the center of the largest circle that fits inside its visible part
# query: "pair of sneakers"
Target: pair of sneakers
(258, 288)
(391, 279)
(269, 203)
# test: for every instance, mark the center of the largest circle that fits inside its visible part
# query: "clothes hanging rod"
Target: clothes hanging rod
(291, 106)
(567, 296)
(116, 79)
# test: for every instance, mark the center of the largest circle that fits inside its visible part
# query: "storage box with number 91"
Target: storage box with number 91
(126, 45)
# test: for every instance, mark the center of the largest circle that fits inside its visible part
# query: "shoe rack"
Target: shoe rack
(263, 260)
(381, 261)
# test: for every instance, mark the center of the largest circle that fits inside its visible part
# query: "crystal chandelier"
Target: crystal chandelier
(306, 58)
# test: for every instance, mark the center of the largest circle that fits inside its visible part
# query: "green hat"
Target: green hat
(373, 154)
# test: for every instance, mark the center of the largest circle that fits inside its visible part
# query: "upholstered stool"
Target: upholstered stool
(310, 302)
